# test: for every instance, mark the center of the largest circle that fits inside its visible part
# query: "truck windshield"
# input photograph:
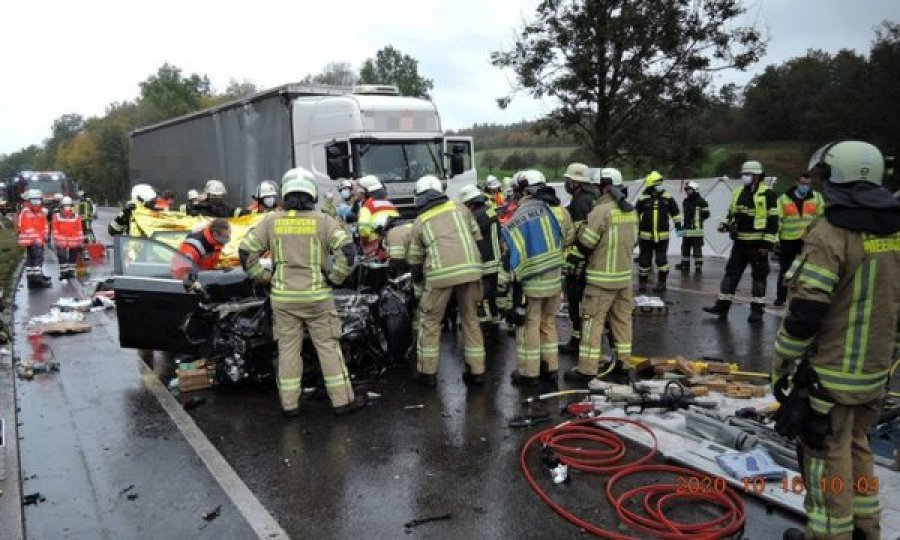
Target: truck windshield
(47, 185)
(405, 161)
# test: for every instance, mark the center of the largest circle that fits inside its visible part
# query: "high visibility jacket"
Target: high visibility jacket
(609, 235)
(534, 244)
(579, 208)
(489, 245)
(855, 277)
(67, 231)
(565, 224)
(506, 210)
(695, 211)
(86, 209)
(302, 243)
(202, 249)
(373, 214)
(257, 207)
(444, 240)
(161, 204)
(755, 214)
(495, 199)
(654, 213)
(32, 226)
(396, 241)
(797, 214)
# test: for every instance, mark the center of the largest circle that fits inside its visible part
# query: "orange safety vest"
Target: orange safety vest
(505, 212)
(67, 231)
(201, 248)
(32, 226)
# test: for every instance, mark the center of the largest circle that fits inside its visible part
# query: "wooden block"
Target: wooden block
(193, 380)
(717, 385)
(63, 327)
(715, 367)
(700, 391)
(686, 367)
(745, 391)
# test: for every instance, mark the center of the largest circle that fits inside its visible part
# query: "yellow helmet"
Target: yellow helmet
(653, 179)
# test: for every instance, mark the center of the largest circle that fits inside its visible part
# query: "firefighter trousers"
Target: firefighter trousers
(34, 260)
(692, 245)
(87, 227)
(648, 251)
(597, 308)
(536, 339)
(431, 312)
(321, 321)
(788, 251)
(745, 254)
(68, 258)
(489, 299)
(840, 481)
(574, 294)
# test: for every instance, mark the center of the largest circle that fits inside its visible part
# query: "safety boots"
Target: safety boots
(521, 380)
(720, 308)
(642, 283)
(698, 268)
(684, 266)
(756, 313)
(661, 282)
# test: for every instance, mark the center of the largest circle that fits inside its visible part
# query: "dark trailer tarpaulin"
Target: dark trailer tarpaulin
(240, 143)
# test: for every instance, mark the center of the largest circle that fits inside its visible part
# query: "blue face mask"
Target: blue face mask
(803, 191)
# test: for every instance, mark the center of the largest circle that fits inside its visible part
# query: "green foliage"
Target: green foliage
(334, 74)
(168, 94)
(24, 159)
(10, 254)
(390, 66)
(628, 78)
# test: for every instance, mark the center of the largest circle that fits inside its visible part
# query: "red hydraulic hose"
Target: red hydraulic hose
(567, 441)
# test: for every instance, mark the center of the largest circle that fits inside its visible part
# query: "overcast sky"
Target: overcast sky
(78, 56)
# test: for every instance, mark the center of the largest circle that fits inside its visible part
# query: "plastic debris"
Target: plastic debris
(560, 473)
(67, 303)
(58, 322)
(212, 514)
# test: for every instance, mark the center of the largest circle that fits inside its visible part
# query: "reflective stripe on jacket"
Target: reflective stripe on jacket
(534, 242)
(654, 214)
(755, 215)
(796, 219)
(32, 227)
(396, 241)
(610, 234)
(489, 245)
(696, 211)
(67, 231)
(445, 241)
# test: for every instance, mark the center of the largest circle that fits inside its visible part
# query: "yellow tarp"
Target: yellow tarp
(166, 226)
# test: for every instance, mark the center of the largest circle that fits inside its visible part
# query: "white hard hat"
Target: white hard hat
(370, 183)
(530, 178)
(192, 194)
(693, 185)
(469, 192)
(57, 197)
(610, 173)
(143, 193)
(33, 194)
(848, 161)
(299, 180)
(215, 188)
(67, 201)
(345, 184)
(80, 193)
(577, 172)
(266, 188)
(428, 182)
(752, 167)
(492, 182)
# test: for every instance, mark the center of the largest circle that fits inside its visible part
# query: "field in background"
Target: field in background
(10, 254)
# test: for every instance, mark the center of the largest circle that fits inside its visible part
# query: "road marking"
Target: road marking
(259, 519)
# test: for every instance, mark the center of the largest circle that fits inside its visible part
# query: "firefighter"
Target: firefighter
(607, 241)
(162, 203)
(444, 258)
(655, 208)
(373, 214)
(493, 192)
(695, 212)
(797, 208)
(141, 195)
(838, 340)
(532, 264)
(203, 247)
(214, 205)
(303, 241)
(488, 246)
(753, 223)
(190, 207)
(578, 185)
(68, 238)
(33, 232)
(396, 245)
(506, 210)
(86, 211)
(266, 198)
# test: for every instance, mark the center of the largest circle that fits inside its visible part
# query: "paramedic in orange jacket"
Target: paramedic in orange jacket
(33, 231)
(203, 247)
(68, 238)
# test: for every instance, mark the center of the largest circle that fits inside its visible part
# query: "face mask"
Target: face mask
(570, 187)
(747, 178)
(67, 209)
(802, 190)
(269, 202)
(34, 202)
(345, 194)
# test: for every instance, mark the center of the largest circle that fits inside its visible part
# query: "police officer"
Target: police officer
(578, 184)
(141, 195)
(655, 208)
(488, 246)
(302, 240)
(444, 258)
(838, 338)
(607, 240)
(532, 263)
(753, 222)
(695, 212)
(797, 208)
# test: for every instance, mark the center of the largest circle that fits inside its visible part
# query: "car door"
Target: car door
(151, 305)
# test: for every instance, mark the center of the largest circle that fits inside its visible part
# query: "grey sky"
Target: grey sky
(60, 56)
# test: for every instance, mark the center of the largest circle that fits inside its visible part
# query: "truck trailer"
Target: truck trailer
(334, 132)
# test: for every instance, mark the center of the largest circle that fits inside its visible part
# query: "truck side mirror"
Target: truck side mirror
(337, 155)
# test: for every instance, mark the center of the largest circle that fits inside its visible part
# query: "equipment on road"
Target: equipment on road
(674, 397)
(742, 434)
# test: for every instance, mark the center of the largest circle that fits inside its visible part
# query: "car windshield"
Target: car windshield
(157, 258)
(404, 161)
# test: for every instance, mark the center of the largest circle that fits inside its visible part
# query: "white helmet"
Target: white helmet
(469, 192)
(80, 193)
(492, 182)
(428, 182)
(345, 184)
(266, 188)
(215, 188)
(370, 183)
(57, 197)
(143, 193)
(66, 201)
(299, 180)
(33, 194)
(610, 173)
(193, 195)
(693, 185)
(577, 172)
(752, 167)
(531, 178)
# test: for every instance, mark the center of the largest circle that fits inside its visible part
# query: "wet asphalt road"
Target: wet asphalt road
(94, 429)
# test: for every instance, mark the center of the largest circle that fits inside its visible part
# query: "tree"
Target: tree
(63, 130)
(390, 66)
(168, 94)
(334, 74)
(554, 161)
(514, 162)
(238, 89)
(490, 161)
(618, 72)
(21, 160)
